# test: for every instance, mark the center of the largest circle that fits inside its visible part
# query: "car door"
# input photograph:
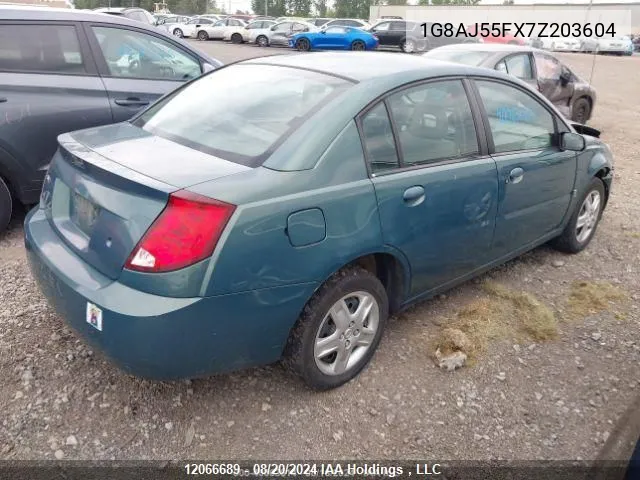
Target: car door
(436, 186)
(333, 37)
(281, 33)
(48, 85)
(536, 177)
(554, 81)
(397, 32)
(519, 65)
(384, 35)
(138, 67)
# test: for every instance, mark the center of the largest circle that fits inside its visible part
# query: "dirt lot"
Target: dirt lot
(556, 399)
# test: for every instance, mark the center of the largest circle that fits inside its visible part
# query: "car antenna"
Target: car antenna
(595, 53)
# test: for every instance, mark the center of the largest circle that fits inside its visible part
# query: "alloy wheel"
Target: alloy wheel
(346, 333)
(588, 216)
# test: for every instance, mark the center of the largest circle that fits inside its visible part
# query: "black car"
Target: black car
(63, 70)
(410, 36)
(574, 97)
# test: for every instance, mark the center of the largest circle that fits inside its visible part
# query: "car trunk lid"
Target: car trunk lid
(106, 186)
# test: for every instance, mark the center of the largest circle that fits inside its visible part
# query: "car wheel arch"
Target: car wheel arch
(389, 266)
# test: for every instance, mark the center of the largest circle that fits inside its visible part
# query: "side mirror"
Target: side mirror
(572, 141)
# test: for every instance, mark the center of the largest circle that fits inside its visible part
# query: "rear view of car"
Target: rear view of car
(130, 245)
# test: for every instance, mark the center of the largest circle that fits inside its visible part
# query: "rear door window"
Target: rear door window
(40, 48)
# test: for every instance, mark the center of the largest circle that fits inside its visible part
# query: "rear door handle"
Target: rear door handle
(516, 175)
(413, 196)
(3, 100)
(131, 102)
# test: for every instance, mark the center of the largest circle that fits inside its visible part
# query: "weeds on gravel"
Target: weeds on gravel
(503, 313)
(589, 298)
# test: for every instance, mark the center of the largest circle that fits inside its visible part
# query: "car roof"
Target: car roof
(14, 12)
(369, 66)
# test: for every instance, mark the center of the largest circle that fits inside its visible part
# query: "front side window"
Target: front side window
(336, 30)
(133, 54)
(517, 120)
(378, 140)
(40, 48)
(548, 67)
(283, 27)
(433, 122)
(242, 112)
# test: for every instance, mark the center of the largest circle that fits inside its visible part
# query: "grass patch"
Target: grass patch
(589, 298)
(633, 234)
(502, 314)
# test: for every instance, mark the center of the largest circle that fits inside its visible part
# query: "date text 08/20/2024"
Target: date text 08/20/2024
(523, 30)
(320, 470)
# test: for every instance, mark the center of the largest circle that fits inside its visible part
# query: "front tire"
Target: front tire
(262, 41)
(581, 110)
(303, 45)
(339, 329)
(236, 38)
(583, 223)
(358, 46)
(203, 36)
(6, 205)
(178, 33)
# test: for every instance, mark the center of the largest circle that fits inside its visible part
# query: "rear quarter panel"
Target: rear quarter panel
(256, 251)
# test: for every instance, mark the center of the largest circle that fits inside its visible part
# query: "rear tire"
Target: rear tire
(236, 38)
(358, 46)
(575, 238)
(408, 45)
(262, 41)
(178, 33)
(203, 36)
(360, 305)
(6, 205)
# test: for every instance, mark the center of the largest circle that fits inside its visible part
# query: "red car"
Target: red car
(486, 35)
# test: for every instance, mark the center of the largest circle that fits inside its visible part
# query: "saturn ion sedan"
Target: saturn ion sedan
(216, 230)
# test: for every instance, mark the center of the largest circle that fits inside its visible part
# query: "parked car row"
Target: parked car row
(620, 44)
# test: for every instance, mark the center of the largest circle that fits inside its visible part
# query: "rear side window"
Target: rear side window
(519, 66)
(433, 122)
(40, 48)
(517, 120)
(378, 140)
(241, 113)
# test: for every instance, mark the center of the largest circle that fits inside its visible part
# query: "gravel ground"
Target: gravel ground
(554, 400)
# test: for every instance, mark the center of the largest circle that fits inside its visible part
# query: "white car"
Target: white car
(280, 33)
(189, 29)
(620, 44)
(218, 30)
(563, 44)
(346, 22)
(246, 33)
(173, 24)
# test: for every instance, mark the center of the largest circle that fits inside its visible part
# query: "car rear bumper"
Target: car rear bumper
(162, 337)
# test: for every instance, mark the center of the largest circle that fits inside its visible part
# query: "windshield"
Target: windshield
(466, 58)
(241, 113)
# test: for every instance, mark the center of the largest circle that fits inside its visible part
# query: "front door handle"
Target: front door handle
(131, 102)
(413, 196)
(515, 176)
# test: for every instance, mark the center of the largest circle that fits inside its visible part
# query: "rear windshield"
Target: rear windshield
(241, 113)
(466, 58)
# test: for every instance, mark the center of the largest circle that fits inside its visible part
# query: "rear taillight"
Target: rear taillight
(186, 232)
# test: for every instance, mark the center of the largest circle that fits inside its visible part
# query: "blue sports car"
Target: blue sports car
(334, 38)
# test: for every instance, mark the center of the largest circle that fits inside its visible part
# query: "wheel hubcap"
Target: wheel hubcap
(346, 333)
(408, 47)
(588, 216)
